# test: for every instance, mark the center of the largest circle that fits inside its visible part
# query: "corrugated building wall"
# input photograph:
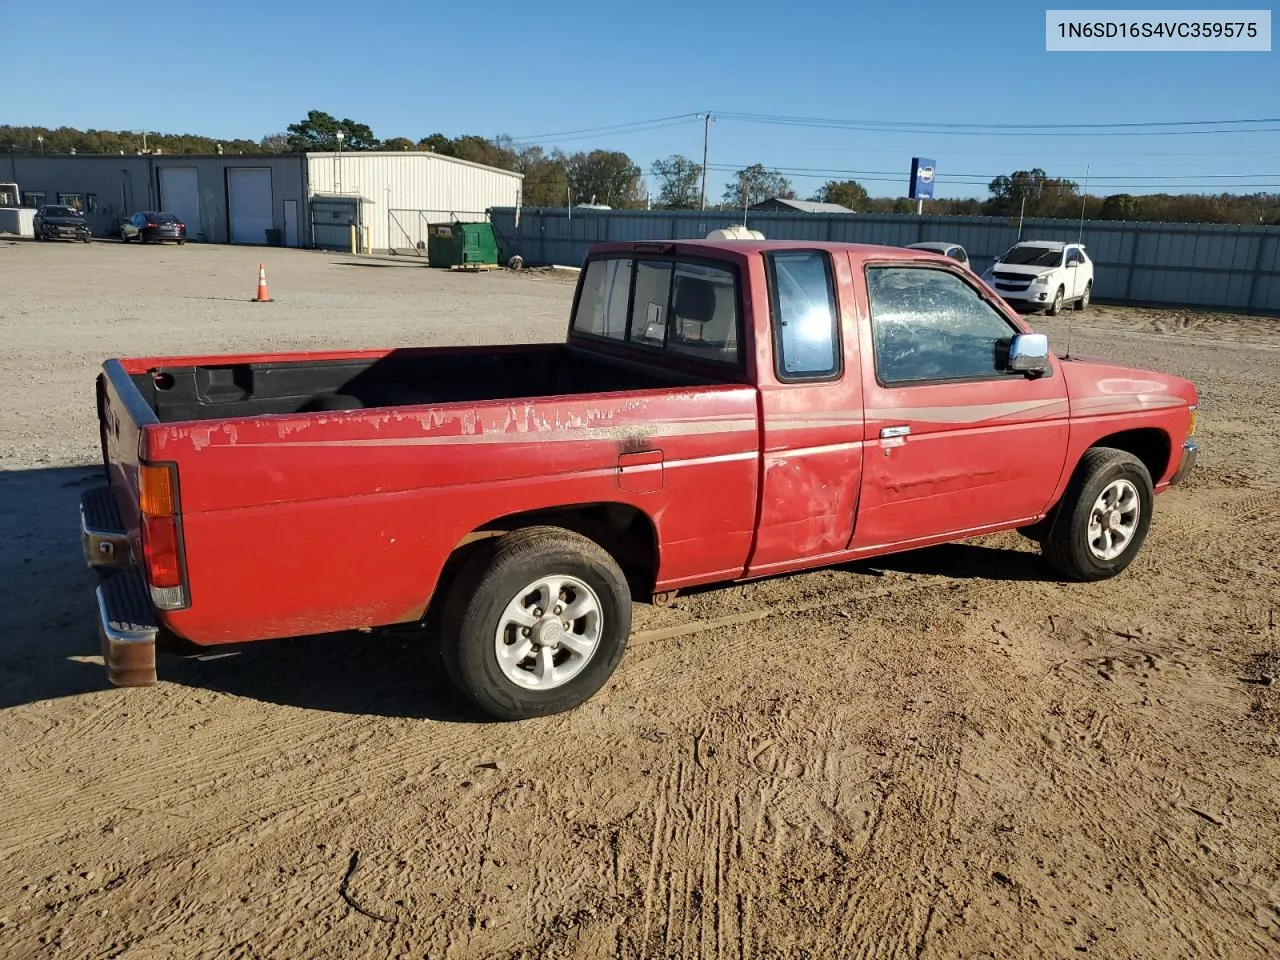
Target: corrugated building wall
(113, 187)
(1192, 264)
(404, 191)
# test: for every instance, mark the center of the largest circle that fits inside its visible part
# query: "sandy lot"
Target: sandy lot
(946, 754)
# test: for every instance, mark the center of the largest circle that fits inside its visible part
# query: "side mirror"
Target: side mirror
(1073, 263)
(1029, 353)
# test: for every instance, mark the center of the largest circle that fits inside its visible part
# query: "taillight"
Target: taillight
(151, 225)
(162, 534)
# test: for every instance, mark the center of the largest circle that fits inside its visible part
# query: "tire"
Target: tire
(1056, 307)
(1083, 302)
(505, 577)
(1074, 545)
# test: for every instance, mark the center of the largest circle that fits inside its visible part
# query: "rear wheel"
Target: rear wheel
(1083, 302)
(537, 623)
(1104, 516)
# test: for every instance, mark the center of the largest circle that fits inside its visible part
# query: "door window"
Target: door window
(929, 325)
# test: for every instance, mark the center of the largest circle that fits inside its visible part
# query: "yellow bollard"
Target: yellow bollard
(353, 238)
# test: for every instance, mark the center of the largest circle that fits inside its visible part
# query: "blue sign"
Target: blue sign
(922, 174)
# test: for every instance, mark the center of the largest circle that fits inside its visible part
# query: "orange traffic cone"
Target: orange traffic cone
(263, 296)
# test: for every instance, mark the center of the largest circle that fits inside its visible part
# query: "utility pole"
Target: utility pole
(1084, 197)
(706, 137)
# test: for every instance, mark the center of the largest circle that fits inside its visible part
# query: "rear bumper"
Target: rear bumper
(127, 623)
(127, 630)
(1190, 453)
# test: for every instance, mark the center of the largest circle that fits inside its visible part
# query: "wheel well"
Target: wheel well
(1148, 444)
(625, 532)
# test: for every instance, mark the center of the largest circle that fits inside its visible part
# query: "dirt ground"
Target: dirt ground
(944, 754)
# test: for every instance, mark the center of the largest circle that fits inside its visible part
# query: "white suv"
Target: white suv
(1043, 275)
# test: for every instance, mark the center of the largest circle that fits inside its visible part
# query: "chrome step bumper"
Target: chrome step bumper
(102, 537)
(127, 628)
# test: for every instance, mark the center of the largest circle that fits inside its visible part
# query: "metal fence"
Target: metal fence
(1188, 264)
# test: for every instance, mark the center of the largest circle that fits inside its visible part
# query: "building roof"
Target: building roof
(431, 154)
(804, 206)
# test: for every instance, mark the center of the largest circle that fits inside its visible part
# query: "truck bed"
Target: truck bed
(179, 392)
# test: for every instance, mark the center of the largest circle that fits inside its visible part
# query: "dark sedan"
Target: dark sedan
(153, 226)
(57, 222)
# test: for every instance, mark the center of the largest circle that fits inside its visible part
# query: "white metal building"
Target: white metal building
(399, 193)
(296, 200)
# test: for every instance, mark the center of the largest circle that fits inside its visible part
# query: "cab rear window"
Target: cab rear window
(681, 307)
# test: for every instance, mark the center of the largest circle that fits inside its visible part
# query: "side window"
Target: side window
(959, 254)
(805, 323)
(602, 306)
(649, 309)
(929, 325)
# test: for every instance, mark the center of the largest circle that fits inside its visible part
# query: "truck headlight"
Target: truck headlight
(1041, 278)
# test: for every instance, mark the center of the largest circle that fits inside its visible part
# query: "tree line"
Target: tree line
(554, 178)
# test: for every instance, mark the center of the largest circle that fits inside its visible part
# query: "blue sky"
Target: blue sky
(413, 67)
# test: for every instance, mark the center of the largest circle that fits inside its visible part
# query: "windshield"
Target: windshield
(61, 212)
(1033, 257)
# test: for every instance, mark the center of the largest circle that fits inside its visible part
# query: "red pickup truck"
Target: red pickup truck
(720, 411)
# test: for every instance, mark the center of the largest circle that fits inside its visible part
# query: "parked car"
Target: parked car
(60, 222)
(153, 227)
(1043, 275)
(871, 400)
(952, 250)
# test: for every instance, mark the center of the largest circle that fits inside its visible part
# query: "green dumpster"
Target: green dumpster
(461, 244)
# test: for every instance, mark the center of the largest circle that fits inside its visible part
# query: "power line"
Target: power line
(971, 130)
(782, 118)
(632, 126)
(954, 177)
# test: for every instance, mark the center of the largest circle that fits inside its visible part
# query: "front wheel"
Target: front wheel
(1056, 308)
(539, 624)
(1103, 518)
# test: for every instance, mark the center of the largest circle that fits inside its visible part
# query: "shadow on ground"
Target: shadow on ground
(968, 561)
(48, 618)
(380, 263)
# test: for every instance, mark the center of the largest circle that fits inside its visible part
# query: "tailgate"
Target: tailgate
(122, 415)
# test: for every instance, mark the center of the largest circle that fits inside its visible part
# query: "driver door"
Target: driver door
(954, 441)
(1074, 282)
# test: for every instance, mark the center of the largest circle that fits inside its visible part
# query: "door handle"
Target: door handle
(900, 431)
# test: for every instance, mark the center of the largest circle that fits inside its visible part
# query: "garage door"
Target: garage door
(180, 195)
(249, 201)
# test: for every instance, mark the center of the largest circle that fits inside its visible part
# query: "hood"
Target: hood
(1097, 385)
(1020, 269)
(66, 221)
